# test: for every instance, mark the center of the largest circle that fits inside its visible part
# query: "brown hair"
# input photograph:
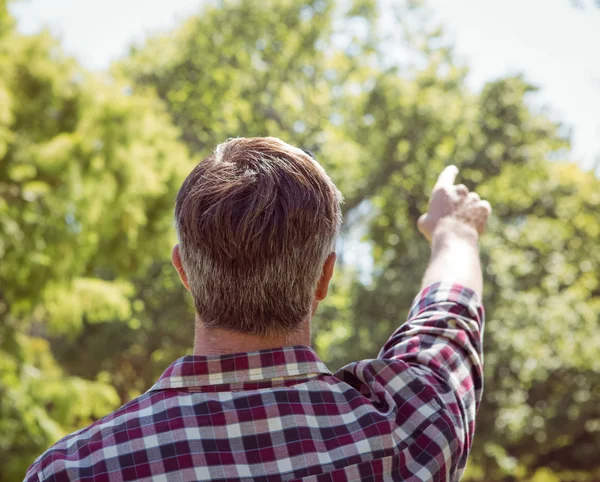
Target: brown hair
(256, 221)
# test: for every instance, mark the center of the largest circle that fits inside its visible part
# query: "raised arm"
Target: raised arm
(440, 345)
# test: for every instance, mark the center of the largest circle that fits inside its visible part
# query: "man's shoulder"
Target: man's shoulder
(80, 445)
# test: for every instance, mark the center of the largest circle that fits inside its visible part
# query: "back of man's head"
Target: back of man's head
(256, 221)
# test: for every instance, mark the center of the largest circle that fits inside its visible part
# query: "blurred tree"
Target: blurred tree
(85, 232)
(87, 180)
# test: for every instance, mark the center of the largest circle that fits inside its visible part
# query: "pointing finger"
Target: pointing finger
(446, 178)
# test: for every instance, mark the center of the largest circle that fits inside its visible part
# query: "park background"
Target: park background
(93, 150)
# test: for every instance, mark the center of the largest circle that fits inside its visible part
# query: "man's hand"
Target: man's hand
(454, 202)
(453, 224)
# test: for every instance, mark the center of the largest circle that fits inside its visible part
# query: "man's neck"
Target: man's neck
(216, 341)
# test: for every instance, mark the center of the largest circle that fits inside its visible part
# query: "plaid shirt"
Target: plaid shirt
(282, 415)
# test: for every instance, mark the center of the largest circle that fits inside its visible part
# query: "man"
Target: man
(257, 223)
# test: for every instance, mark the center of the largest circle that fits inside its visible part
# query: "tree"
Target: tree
(89, 168)
(87, 178)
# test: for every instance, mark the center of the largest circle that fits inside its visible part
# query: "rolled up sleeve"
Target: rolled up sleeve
(441, 343)
(34, 473)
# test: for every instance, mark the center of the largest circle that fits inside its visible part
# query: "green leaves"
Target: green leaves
(90, 299)
(88, 175)
(91, 310)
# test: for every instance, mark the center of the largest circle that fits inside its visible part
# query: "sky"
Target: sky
(555, 45)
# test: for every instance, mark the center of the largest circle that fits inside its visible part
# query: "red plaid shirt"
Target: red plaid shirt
(282, 415)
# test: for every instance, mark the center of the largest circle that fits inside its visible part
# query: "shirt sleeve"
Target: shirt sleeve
(441, 345)
(34, 473)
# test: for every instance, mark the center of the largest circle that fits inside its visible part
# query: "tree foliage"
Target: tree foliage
(87, 180)
(89, 170)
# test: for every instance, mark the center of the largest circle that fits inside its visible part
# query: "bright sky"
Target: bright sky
(552, 43)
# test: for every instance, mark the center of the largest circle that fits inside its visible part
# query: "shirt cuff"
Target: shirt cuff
(443, 292)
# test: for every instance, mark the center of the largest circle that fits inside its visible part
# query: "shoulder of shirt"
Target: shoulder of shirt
(76, 440)
(371, 374)
(385, 373)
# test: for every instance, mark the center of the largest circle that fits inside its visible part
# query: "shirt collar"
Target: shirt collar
(197, 371)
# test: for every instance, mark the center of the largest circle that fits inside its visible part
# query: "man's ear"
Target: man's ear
(176, 259)
(327, 273)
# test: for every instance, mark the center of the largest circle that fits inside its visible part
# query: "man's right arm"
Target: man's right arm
(431, 368)
(441, 342)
